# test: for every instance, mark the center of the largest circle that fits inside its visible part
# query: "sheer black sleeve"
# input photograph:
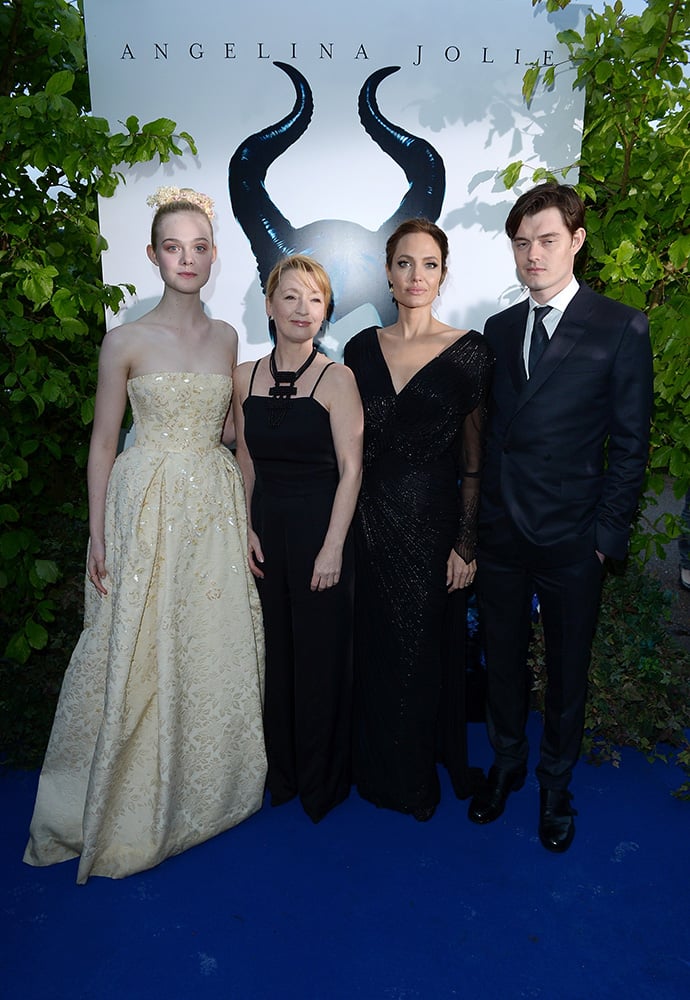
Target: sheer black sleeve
(471, 457)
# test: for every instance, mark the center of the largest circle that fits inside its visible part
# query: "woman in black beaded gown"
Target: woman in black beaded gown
(423, 386)
(298, 422)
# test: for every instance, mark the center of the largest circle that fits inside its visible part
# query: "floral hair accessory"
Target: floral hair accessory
(166, 195)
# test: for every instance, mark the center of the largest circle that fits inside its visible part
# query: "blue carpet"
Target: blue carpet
(370, 904)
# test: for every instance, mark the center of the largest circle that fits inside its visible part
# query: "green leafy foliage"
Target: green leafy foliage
(29, 687)
(634, 174)
(56, 158)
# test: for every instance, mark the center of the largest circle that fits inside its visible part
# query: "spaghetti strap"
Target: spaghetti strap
(251, 380)
(325, 369)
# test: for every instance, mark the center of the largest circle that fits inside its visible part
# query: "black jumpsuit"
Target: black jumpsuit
(307, 710)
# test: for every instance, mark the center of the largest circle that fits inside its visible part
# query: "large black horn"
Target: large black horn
(422, 164)
(270, 234)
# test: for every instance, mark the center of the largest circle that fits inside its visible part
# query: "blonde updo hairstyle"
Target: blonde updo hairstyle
(169, 200)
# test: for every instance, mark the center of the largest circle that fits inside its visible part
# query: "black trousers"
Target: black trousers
(569, 599)
(308, 698)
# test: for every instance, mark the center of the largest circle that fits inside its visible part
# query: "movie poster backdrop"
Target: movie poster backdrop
(319, 127)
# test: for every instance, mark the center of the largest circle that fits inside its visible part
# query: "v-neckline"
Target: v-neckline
(419, 370)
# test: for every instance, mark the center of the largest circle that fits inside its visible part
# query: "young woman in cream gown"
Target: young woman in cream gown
(157, 742)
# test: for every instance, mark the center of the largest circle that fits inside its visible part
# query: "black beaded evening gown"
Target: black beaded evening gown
(409, 632)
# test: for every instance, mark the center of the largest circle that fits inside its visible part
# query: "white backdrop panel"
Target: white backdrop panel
(210, 67)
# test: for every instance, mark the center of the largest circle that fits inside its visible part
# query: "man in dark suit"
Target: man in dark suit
(566, 452)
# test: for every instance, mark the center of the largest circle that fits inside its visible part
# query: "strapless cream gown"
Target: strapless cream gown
(157, 742)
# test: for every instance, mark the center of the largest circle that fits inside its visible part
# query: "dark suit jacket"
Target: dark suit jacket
(567, 450)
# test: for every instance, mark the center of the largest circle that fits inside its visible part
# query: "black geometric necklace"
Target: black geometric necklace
(283, 387)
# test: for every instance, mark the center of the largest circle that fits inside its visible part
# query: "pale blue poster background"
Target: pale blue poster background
(210, 67)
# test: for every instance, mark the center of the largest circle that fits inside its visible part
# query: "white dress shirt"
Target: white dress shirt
(558, 305)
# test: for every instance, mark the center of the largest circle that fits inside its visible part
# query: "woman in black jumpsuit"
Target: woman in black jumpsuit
(298, 421)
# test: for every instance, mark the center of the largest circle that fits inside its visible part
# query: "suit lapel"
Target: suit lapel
(515, 339)
(568, 332)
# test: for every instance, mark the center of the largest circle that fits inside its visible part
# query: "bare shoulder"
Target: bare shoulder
(243, 370)
(225, 330)
(337, 387)
(338, 375)
(120, 343)
(225, 335)
(241, 375)
(118, 335)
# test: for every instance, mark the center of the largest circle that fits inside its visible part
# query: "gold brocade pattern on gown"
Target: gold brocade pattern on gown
(157, 742)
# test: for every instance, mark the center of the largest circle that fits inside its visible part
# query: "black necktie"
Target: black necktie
(540, 337)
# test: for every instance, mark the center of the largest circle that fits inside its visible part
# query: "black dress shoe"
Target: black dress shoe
(489, 802)
(556, 823)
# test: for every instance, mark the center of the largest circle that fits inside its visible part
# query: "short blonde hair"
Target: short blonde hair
(306, 267)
